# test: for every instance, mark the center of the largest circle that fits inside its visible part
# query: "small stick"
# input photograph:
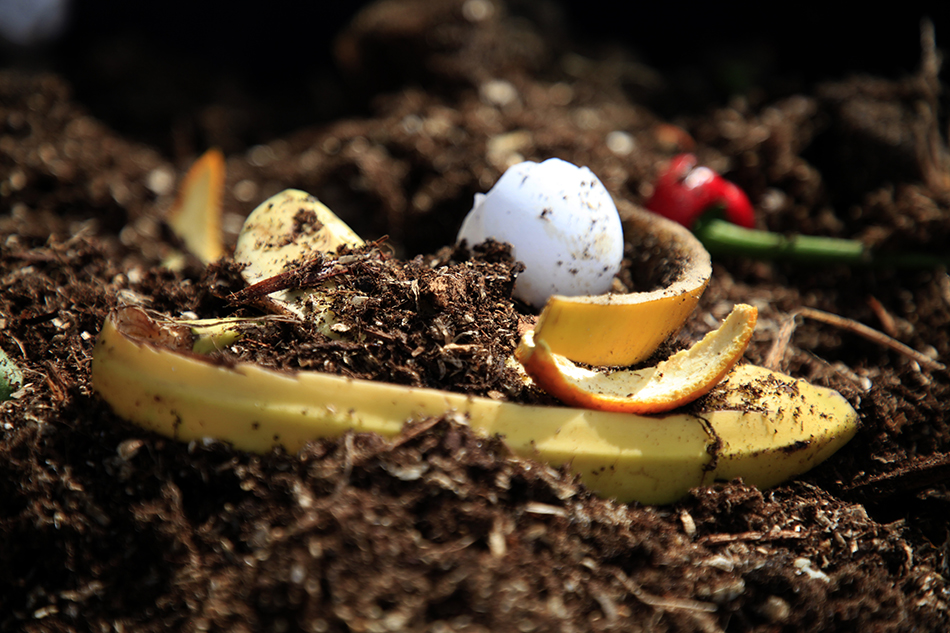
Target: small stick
(888, 323)
(414, 432)
(776, 355)
(908, 476)
(872, 335)
(280, 281)
(307, 275)
(347, 464)
(659, 602)
(774, 535)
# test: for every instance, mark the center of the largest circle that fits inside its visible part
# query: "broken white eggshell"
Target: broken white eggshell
(561, 223)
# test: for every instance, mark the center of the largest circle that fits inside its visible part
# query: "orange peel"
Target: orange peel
(195, 216)
(618, 329)
(680, 379)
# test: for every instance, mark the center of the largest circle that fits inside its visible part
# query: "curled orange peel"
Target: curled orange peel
(618, 329)
(195, 216)
(680, 379)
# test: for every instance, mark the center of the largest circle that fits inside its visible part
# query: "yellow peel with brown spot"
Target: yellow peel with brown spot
(195, 217)
(284, 232)
(762, 426)
(680, 379)
(625, 329)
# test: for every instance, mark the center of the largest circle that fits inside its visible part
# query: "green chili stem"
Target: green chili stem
(724, 238)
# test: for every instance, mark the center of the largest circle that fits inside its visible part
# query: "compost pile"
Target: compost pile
(104, 526)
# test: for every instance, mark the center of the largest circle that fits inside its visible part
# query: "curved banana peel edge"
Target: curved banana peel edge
(766, 427)
(679, 380)
(625, 329)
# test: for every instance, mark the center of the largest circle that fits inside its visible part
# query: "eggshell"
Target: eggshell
(561, 222)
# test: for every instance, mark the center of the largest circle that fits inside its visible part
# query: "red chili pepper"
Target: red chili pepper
(686, 191)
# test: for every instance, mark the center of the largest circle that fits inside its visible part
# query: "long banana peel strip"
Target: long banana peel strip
(765, 427)
(195, 217)
(284, 232)
(625, 329)
(682, 378)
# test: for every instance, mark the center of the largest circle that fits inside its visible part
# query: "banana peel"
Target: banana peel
(625, 329)
(786, 425)
(284, 232)
(759, 425)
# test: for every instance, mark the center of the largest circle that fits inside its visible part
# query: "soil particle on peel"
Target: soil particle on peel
(104, 526)
(445, 321)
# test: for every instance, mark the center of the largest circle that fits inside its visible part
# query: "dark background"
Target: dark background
(275, 57)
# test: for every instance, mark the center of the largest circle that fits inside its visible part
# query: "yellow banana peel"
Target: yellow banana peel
(284, 232)
(760, 425)
(785, 426)
(625, 329)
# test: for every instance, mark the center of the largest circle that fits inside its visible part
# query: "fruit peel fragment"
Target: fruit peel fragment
(763, 426)
(195, 217)
(284, 232)
(680, 379)
(11, 377)
(622, 329)
(805, 425)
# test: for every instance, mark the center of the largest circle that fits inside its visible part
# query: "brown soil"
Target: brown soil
(104, 526)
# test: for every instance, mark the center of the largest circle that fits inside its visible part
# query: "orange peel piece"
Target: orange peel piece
(195, 217)
(625, 329)
(680, 379)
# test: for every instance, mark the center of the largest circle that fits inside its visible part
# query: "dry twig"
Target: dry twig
(659, 602)
(872, 335)
(776, 356)
(773, 535)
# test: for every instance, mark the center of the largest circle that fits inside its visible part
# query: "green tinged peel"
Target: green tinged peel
(11, 378)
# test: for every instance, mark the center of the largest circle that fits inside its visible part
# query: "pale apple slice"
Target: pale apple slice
(195, 217)
(680, 379)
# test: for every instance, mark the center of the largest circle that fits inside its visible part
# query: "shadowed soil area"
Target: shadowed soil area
(407, 111)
